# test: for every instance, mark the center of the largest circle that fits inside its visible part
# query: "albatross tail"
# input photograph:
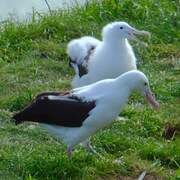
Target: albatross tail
(18, 118)
(22, 116)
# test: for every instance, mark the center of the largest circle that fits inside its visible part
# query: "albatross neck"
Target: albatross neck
(127, 81)
(115, 43)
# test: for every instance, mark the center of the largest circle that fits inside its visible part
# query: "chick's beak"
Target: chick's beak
(151, 99)
(139, 32)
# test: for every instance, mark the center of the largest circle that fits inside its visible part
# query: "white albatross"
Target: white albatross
(112, 56)
(79, 51)
(75, 116)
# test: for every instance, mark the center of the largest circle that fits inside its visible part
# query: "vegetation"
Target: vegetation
(33, 59)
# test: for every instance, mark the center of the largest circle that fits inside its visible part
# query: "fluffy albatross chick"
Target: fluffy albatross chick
(79, 52)
(113, 55)
(74, 117)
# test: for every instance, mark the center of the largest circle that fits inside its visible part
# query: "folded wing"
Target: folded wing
(55, 109)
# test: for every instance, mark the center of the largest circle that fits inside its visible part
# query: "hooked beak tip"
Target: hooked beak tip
(151, 99)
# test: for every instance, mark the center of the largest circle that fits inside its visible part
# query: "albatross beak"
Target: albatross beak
(143, 33)
(151, 99)
(135, 32)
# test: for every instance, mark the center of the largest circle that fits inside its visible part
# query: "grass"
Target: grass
(33, 59)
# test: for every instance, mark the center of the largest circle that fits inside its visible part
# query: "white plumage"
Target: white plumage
(112, 57)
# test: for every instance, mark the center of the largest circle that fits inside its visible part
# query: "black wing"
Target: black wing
(67, 111)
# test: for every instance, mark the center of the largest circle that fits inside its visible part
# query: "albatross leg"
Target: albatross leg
(69, 152)
(88, 146)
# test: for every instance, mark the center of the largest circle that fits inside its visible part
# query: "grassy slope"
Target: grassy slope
(33, 59)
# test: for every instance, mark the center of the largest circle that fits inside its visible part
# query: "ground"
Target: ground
(33, 59)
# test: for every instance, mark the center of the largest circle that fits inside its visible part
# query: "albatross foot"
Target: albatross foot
(89, 148)
(69, 152)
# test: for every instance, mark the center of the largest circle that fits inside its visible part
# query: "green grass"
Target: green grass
(33, 59)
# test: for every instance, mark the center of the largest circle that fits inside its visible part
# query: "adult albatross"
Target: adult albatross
(111, 57)
(75, 116)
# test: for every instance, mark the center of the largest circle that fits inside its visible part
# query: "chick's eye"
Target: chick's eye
(121, 27)
(145, 83)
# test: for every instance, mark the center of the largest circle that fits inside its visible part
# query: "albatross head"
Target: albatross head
(137, 81)
(76, 52)
(122, 30)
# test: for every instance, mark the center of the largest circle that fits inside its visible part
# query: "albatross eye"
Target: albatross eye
(121, 27)
(145, 83)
